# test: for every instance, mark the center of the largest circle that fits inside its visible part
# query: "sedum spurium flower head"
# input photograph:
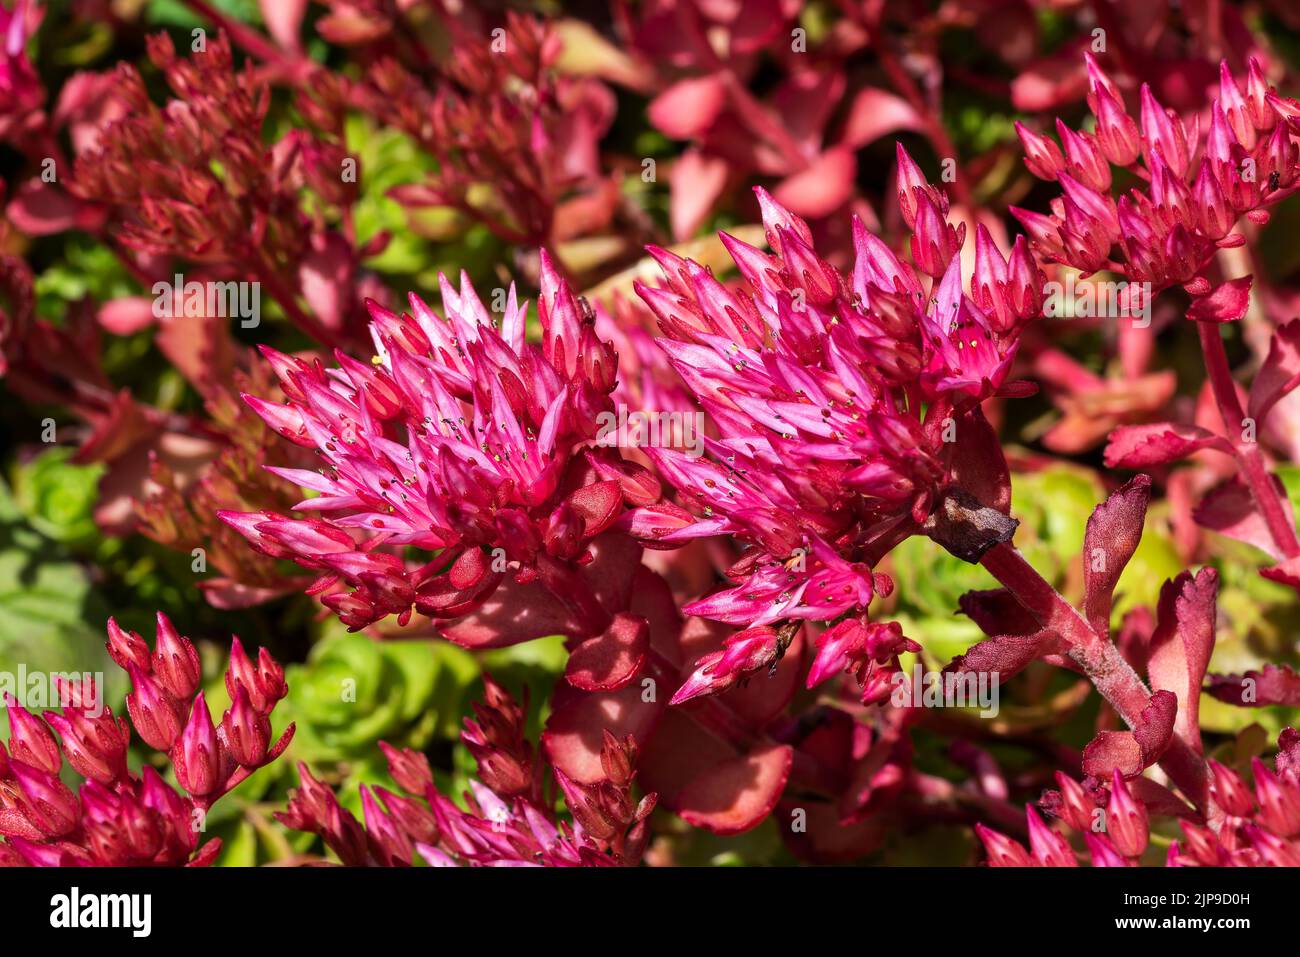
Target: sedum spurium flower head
(460, 438)
(119, 818)
(1199, 179)
(1253, 827)
(836, 400)
(507, 821)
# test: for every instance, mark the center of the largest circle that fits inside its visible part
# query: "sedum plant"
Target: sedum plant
(770, 513)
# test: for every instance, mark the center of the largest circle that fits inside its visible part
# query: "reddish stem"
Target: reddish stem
(1255, 471)
(1109, 672)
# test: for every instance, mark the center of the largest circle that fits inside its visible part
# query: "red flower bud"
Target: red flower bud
(1230, 791)
(1002, 850)
(247, 734)
(408, 768)
(1279, 800)
(127, 648)
(155, 713)
(1126, 819)
(30, 740)
(175, 661)
(196, 757)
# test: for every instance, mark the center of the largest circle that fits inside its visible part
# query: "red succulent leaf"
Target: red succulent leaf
(1114, 530)
(1230, 510)
(497, 622)
(875, 113)
(1129, 752)
(126, 315)
(825, 839)
(689, 107)
(978, 464)
(574, 734)
(598, 505)
(1182, 643)
(822, 187)
(1007, 654)
(998, 612)
(1227, 303)
(1280, 372)
(734, 796)
(1285, 572)
(1143, 446)
(1275, 685)
(695, 183)
(612, 659)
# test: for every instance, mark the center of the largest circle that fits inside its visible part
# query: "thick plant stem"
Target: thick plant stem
(1254, 470)
(1110, 673)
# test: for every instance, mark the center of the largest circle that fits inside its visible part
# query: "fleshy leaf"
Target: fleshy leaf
(1131, 751)
(612, 659)
(733, 797)
(1227, 303)
(1280, 372)
(1114, 530)
(1275, 685)
(1182, 643)
(1142, 446)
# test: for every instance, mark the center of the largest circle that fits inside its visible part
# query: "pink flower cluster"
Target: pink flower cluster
(119, 818)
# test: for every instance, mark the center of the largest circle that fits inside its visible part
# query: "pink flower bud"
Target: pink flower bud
(1279, 800)
(270, 674)
(1126, 819)
(1077, 806)
(1042, 155)
(30, 740)
(1048, 848)
(1230, 791)
(155, 713)
(263, 682)
(1214, 217)
(1257, 92)
(246, 732)
(1082, 158)
(413, 817)
(388, 842)
(196, 758)
(175, 661)
(1272, 850)
(1002, 850)
(934, 241)
(127, 648)
(1103, 852)
(1234, 108)
(1117, 134)
(1162, 132)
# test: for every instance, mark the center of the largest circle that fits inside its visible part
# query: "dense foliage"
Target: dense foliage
(680, 432)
